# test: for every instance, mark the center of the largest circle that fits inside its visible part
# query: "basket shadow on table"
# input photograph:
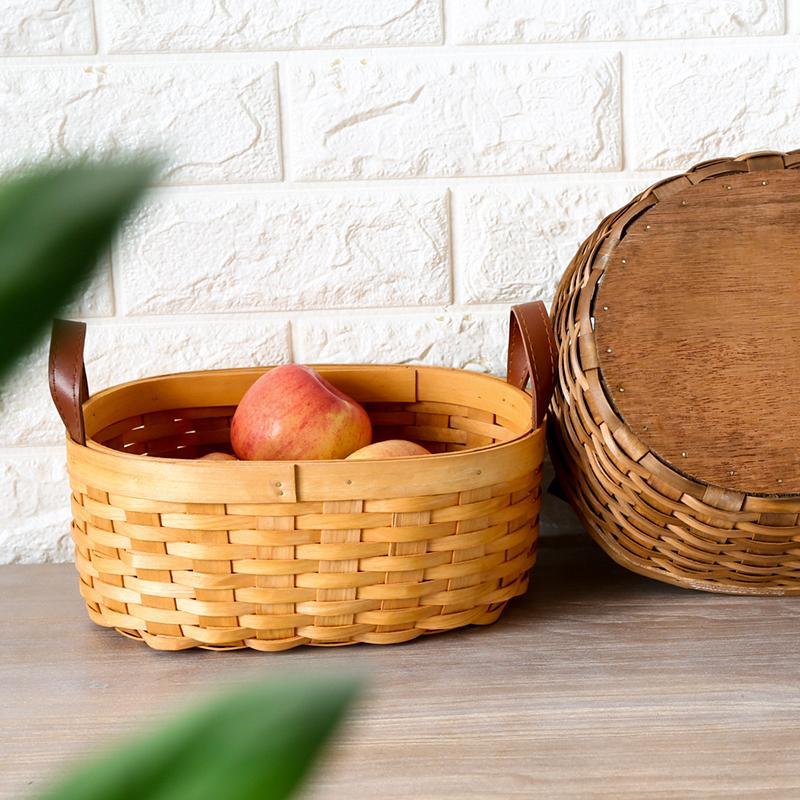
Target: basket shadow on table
(571, 569)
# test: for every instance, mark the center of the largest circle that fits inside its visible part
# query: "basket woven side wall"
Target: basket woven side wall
(183, 552)
(273, 555)
(646, 515)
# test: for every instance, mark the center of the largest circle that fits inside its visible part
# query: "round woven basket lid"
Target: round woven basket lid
(697, 323)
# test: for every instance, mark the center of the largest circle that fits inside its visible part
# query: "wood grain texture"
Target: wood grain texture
(597, 684)
(698, 331)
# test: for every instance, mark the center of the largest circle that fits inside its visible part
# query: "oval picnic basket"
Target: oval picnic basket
(270, 555)
(675, 425)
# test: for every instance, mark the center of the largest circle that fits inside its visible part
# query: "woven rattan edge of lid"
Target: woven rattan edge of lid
(645, 568)
(594, 253)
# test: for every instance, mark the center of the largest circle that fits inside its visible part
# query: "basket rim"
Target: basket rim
(204, 481)
(109, 391)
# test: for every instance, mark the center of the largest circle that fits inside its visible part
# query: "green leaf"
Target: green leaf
(54, 224)
(255, 743)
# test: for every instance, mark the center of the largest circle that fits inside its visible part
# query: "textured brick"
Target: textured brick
(212, 121)
(286, 251)
(44, 27)
(116, 353)
(515, 242)
(517, 21)
(466, 341)
(386, 117)
(34, 507)
(152, 25)
(96, 298)
(689, 106)
(126, 351)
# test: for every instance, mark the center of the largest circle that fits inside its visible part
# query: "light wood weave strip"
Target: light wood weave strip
(320, 553)
(648, 517)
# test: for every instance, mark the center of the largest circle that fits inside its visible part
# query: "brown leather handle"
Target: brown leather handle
(68, 385)
(532, 354)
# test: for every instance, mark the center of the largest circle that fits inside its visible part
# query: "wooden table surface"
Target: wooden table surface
(598, 684)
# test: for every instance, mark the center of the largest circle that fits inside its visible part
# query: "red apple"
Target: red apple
(292, 413)
(391, 448)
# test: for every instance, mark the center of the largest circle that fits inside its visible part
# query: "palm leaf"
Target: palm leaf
(54, 224)
(254, 744)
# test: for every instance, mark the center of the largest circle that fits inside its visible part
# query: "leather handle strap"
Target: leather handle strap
(68, 385)
(532, 354)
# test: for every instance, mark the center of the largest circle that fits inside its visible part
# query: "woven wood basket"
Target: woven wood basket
(270, 555)
(684, 504)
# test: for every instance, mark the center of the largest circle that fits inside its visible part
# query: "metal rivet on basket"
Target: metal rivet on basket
(479, 472)
(605, 308)
(280, 494)
(624, 260)
(732, 472)
(644, 427)
(622, 388)
(647, 227)
(763, 183)
(608, 350)
(278, 484)
(684, 454)
(348, 482)
(683, 202)
(728, 186)
(780, 480)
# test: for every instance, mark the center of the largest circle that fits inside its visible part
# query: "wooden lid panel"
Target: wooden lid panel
(698, 330)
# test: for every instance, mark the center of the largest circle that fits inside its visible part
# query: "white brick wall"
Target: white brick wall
(410, 116)
(193, 254)
(357, 180)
